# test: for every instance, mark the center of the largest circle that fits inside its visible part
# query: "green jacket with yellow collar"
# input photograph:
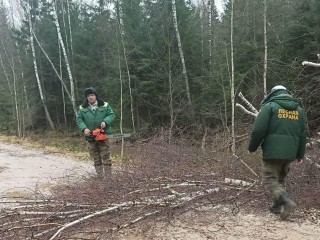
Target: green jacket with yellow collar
(280, 128)
(91, 119)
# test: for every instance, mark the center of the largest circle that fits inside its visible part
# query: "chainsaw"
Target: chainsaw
(97, 135)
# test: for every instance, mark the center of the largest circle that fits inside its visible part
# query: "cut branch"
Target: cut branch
(311, 64)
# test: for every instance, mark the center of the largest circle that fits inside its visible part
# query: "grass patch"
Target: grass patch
(52, 143)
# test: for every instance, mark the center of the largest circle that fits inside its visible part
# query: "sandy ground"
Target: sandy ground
(24, 171)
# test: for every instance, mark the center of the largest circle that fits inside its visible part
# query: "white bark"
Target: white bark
(184, 70)
(233, 147)
(253, 109)
(311, 64)
(36, 72)
(265, 49)
(72, 91)
(19, 133)
(127, 67)
(210, 7)
(121, 97)
(172, 120)
(245, 110)
(62, 88)
(52, 65)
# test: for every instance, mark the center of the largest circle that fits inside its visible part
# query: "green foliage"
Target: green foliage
(117, 39)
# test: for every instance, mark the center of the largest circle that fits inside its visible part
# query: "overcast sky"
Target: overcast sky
(13, 6)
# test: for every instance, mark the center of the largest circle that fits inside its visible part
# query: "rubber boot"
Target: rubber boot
(288, 206)
(99, 171)
(276, 207)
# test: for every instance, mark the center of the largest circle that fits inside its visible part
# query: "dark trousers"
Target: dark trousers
(100, 152)
(274, 175)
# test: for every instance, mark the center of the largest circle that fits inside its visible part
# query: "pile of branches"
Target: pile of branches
(157, 182)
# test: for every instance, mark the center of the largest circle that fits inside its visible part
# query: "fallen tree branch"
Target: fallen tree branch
(311, 64)
(99, 213)
(253, 109)
(245, 110)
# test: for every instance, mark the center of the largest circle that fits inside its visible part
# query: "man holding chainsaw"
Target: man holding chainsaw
(280, 129)
(94, 120)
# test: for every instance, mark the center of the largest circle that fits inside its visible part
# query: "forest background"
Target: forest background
(155, 74)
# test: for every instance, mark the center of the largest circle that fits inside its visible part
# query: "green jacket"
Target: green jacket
(86, 118)
(280, 128)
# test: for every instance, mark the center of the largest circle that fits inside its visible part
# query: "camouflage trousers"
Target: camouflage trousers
(274, 176)
(100, 152)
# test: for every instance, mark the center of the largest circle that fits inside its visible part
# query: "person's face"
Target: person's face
(91, 98)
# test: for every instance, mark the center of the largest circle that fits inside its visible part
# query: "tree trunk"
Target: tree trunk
(36, 73)
(184, 70)
(121, 97)
(233, 148)
(170, 95)
(72, 91)
(210, 7)
(62, 89)
(127, 67)
(265, 49)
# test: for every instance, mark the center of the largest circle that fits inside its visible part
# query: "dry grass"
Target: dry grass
(52, 143)
(157, 181)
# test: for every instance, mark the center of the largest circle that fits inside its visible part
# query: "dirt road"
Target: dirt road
(23, 171)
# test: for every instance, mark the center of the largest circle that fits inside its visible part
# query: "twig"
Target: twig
(254, 173)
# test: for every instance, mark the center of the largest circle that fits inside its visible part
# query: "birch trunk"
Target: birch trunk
(210, 2)
(62, 89)
(16, 100)
(121, 99)
(265, 49)
(36, 73)
(233, 148)
(184, 70)
(71, 44)
(25, 94)
(52, 65)
(127, 67)
(72, 91)
(170, 95)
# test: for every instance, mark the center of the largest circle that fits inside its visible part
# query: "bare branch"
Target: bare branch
(248, 104)
(306, 63)
(245, 110)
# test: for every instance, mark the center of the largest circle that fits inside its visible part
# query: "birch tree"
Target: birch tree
(127, 66)
(265, 48)
(233, 148)
(36, 71)
(72, 89)
(184, 69)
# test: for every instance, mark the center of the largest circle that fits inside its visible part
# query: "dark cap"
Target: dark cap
(90, 90)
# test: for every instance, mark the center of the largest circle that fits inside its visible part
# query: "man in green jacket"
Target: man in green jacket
(95, 113)
(280, 129)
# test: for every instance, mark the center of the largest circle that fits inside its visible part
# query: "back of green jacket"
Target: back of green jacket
(86, 118)
(280, 129)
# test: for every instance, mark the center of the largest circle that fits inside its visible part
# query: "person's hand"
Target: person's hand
(87, 132)
(103, 125)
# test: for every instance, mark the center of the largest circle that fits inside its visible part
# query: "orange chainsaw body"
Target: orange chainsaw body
(99, 134)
